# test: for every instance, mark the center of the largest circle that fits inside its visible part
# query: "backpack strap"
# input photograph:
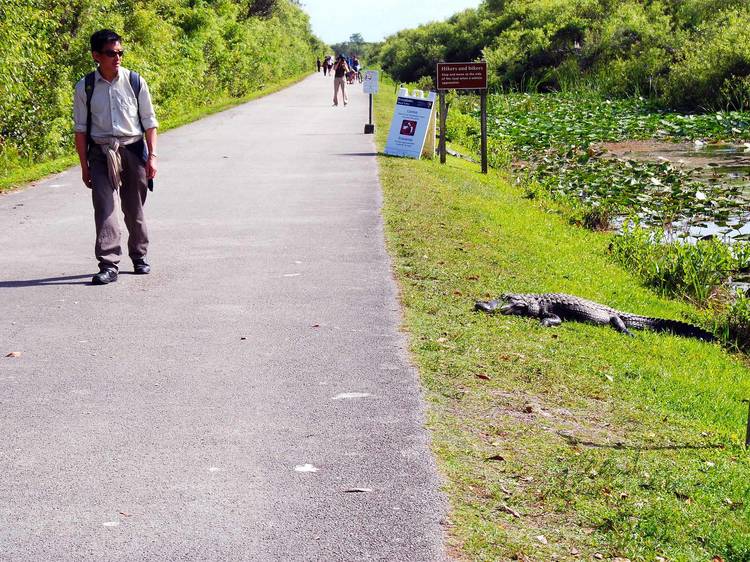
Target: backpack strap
(88, 84)
(135, 83)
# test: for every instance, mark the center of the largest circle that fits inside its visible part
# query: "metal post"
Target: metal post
(443, 117)
(484, 130)
(370, 127)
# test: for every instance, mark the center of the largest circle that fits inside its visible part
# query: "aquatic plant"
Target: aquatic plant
(700, 273)
(555, 141)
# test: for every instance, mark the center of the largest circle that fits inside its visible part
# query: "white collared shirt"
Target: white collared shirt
(114, 108)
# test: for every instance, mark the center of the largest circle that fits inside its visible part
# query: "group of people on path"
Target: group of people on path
(345, 70)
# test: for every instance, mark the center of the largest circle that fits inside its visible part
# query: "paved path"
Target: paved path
(163, 417)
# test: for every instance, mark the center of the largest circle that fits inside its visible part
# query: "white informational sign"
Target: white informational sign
(410, 124)
(370, 82)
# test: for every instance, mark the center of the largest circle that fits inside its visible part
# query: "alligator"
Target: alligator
(553, 308)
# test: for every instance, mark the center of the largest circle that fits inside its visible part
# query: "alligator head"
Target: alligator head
(511, 303)
(520, 305)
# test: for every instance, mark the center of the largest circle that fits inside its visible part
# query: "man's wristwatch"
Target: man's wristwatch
(152, 154)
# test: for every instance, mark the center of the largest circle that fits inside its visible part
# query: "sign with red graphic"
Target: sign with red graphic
(462, 76)
(410, 124)
(408, 127)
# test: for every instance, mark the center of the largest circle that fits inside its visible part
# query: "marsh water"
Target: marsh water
(723, 167)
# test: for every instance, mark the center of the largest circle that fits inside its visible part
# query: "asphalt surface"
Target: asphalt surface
(229, 405)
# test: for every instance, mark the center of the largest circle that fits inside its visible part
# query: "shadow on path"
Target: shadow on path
(331, 134)
(65, 280)
(357, 154)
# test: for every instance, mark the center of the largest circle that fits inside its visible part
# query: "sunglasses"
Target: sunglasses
(112, 54)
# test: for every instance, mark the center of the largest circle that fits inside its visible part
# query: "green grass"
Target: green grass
(600, 443)
(23, 174)
(550, 140)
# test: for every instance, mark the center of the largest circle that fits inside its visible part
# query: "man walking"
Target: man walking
(112, 112)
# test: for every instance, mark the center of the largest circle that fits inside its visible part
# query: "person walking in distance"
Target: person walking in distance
(318, 63)
(112, 112)
(340, 70)
(326, 68)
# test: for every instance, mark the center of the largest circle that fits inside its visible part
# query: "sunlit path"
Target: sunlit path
(251, 398)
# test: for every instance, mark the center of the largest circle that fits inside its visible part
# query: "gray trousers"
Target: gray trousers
(132, 196)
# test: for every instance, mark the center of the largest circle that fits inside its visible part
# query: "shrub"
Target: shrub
(691, 54)
(699, 272)
(714, 68)
(692, 271)
(461, 128)
(191, 53)
(465, 130)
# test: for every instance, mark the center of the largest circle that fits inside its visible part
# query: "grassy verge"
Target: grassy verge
(22, 175)
(557, 143)
(568, 443)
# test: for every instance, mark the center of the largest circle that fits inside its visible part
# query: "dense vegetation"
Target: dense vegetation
(557, 140)
(574, 443)
(192, 52)
(688, 54)
(557, 146)
(620, 71)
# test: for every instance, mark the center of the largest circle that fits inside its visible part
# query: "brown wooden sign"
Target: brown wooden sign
(462, 76)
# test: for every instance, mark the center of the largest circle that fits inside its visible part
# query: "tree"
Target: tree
(261, 8)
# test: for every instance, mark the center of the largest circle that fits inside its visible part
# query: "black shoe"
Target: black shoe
(140, 267)
(105, 276)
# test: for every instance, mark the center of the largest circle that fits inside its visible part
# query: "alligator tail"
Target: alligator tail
(679, 328)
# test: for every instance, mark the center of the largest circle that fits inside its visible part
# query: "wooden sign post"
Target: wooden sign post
(443, 109)
(463, 76)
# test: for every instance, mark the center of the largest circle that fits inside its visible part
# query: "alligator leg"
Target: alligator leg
(617, 323)
(549, 320)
